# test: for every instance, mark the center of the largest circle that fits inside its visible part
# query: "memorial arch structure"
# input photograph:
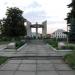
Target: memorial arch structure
(29, 25)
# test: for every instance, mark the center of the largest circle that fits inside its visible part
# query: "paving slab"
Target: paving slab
(9, 67)
(66, 72)
(45, 67)
(57, 61)
(24, 73)
(63, 67)
(28, 61)
(27, 67)
(14, 61)
(43, 61)
(6, 72)
(47, 73)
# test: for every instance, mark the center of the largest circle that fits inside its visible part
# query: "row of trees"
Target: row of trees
(13, 24)
(71, 22)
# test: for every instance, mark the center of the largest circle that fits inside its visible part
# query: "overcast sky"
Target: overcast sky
(54, 11)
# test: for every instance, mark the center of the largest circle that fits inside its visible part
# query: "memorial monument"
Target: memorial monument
(36, 25)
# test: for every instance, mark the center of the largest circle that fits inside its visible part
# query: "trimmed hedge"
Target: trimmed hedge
(19, 44)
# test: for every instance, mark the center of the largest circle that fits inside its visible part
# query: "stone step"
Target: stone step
(36, 57)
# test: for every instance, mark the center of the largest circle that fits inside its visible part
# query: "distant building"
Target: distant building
(59, 34)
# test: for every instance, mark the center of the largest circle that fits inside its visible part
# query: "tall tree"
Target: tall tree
(71, 22)
(13, 24)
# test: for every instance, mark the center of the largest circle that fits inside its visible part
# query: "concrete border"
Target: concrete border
(58, 50)
(22, 47)
(2, 48)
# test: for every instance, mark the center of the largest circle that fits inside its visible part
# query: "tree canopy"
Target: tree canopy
(13, 24)
(71, 22)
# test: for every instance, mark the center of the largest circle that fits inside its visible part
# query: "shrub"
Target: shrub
(69, 47)
(52, 42)
(5, 39)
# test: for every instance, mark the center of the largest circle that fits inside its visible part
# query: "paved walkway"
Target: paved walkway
(35, 48)
(35, 65)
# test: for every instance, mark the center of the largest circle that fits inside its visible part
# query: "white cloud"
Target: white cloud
(53, 10)
(34, 4)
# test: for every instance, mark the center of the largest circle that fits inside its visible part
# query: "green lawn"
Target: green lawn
(52, 42)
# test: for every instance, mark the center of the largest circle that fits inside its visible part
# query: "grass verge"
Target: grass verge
(70, 59)
(3, 59)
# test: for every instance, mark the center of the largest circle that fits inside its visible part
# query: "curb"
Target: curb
(58, 50)
(21, 47)
(51, 47)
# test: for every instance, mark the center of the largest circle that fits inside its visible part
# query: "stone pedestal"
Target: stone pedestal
(11, 45)
(61, 45)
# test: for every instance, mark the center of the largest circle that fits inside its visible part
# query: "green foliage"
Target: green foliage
(13, 24)
(3, 60)
(70, 59)
(71, 21)
(69, 47)
(52, 42)
(5, 39)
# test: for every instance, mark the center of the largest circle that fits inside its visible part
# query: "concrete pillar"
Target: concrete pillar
(44, 29)
(28, 28)
(36, 32)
